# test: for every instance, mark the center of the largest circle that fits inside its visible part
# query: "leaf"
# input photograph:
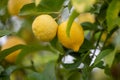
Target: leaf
(102, 55)
(3, 7)
(112, 14)
(44, 7)
(100, 65)
(87, 45)
(89, 26)
(3, 11)
(56, 44)
(47, 74)
(110, 57)
(4, 32)
(33, 48)
(72, 66)
(6, 52)
(73, 15)
(75, 76)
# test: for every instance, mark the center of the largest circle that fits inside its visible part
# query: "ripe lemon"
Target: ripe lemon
(12, 41)
(76, 36)
(86, 17)
(44, 28)
(14, 6)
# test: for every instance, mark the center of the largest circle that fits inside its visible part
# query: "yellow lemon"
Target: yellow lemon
(76, 36)
(44, 28)
(14, 6)
(12, 41)
(86, 17)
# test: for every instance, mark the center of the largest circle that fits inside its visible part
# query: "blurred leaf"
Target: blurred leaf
(112, 14)
(5, 75)
(3, 10)
(75, 76)
(69, 6)
(102, 55)
(110, 57)
(33, 48)
(89, 26)
(56, 44)
(1, 69)
(3, 7)
(34, 76)
(72, 66)
(73, 15)
(10, 69)
(4, 32)
(101, 8)
(44, 7)
(47, 74)
(86, 72)
(6, 52)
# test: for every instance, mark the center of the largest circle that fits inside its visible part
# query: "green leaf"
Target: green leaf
(73, 15)
(4, 32)
(110, 57)
(3, 11)
(112, 14)
(87, 45)
(3, 7)
(6, 52)
(100, 65)
(75, 76)
(56, 44)
(89, 26)
(33, 48)
(102, 55)
(44, 7)
(47, 74)
(34, 76)
(72, 66)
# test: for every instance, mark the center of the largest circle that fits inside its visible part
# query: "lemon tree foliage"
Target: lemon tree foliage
(59, 40)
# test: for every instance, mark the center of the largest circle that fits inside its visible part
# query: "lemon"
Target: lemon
(14, 6)
(76, 36)
(86, 17)
(12, 41)
(44, 28)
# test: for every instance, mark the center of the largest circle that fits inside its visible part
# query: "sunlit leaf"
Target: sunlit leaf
(112, 14)
(110, 57)
(102, 55)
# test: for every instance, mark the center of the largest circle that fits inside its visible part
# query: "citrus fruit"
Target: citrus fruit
(76, 38)
(12, 41)
(86, 17)
(44, 28)
(14, 6)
